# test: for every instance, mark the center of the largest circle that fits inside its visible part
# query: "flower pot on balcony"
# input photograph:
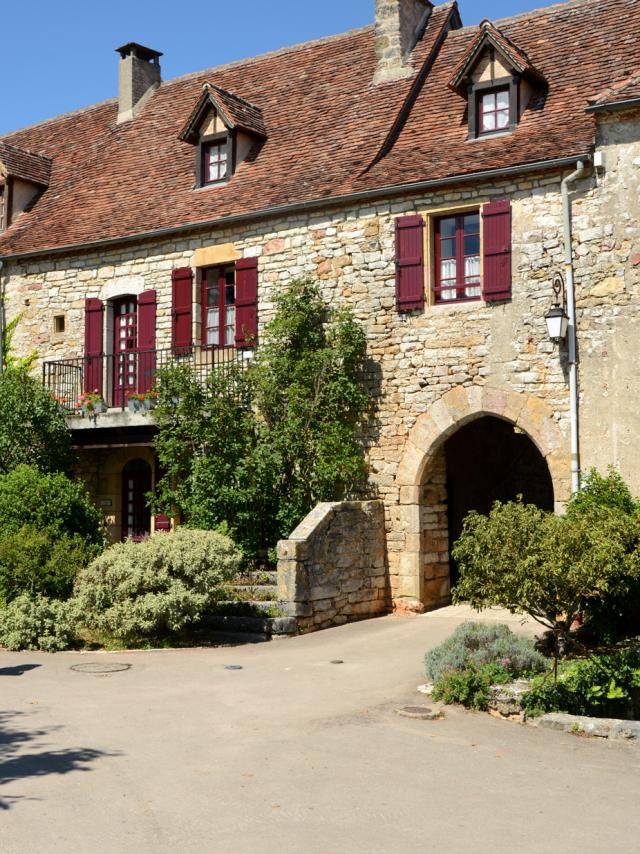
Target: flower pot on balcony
(135, 405)
(149, 403)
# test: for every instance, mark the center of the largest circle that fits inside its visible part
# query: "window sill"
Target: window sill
(497, 135)
(458, 305)
(211, 186)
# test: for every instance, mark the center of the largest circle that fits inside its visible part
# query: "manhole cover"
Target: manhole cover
(421, 712)
(336, 661)
(100, 667)
(233, 667)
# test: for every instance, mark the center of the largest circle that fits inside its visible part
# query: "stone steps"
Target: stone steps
(252, 625)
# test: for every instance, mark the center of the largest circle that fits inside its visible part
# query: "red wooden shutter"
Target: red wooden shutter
(146, 340)
(182, 299)
(409, 263)
(93, 311)
(246, 302)
(496, 240)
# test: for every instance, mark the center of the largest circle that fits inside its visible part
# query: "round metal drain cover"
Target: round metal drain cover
(336, 661)
(233, 667)
(100, 667)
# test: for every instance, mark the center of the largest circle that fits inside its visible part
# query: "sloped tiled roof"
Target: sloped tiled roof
(325, 123)
(579, 48)
(627, 89)
(23, 164)
(488, 33)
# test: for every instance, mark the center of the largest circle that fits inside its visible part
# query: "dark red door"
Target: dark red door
(136, 516)
(125, 348)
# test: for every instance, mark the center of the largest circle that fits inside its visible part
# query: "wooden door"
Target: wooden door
(136, 516)
(125, 348)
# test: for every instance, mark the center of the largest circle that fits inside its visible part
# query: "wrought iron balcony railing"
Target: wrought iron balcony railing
(116, 377)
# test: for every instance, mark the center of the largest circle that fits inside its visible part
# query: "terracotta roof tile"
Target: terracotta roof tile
(627, 89)
(325, 121)
(23, 164)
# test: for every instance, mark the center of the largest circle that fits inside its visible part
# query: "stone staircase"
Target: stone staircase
(253, 609)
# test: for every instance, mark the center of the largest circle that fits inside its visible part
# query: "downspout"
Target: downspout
(571, 332)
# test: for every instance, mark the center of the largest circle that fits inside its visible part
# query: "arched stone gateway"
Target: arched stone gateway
(418, 547)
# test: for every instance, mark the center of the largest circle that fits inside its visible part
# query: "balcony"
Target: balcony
(119, 376)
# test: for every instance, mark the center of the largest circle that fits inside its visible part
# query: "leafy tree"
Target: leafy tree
(543, 565)
(257, 449)
(33, 430)
(9, 360)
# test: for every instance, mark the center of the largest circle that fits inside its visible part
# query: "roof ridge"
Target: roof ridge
(532, 13)
(277, 52)
(52, 119)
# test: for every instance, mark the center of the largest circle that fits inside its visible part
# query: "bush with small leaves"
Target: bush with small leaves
(469, 687)
(35, 561)
(50, 501)
(38, 623)
(473, 645)
(162, 584)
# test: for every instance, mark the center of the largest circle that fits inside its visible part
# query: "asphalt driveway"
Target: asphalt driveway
(291, 753)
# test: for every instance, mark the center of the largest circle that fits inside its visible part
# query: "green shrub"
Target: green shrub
(37, 562)
(469, 687)
(38, 623)
(156, 586)
(549, 567)
(33, 428)
(601, 686)
(616, 614)
(473, 645)
(47, 501)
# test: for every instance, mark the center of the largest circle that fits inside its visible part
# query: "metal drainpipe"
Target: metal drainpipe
(572, 342)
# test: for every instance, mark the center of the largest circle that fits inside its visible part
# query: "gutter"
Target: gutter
(615, 105)
(301, 207)
(571, 311)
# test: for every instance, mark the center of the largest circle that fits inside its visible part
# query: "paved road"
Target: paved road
(291, 754)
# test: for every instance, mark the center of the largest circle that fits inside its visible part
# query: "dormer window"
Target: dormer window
(2, 194)
(226, 129)
(497, 79)
(493, 110)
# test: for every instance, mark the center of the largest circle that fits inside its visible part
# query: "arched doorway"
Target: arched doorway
(136, 516)
(489, 460)
(418, 546)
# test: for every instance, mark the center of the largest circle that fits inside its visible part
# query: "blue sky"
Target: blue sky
(59, 56)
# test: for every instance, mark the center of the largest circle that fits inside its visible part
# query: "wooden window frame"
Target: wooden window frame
(460, 285)
(475, 92)
(205, 143)
(222, 306)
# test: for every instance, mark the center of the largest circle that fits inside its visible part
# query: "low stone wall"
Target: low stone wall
(333, 566)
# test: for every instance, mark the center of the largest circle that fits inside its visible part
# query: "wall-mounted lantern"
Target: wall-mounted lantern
(556, 318)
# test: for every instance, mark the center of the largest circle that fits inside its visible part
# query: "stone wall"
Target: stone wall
(475, 356)
(333, 568)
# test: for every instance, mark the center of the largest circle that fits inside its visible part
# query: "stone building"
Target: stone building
(436, 178)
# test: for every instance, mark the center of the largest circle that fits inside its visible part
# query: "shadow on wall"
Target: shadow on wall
(16, 764)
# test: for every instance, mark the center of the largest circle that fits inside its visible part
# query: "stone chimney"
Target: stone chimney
(399, 25)
(138, 77)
